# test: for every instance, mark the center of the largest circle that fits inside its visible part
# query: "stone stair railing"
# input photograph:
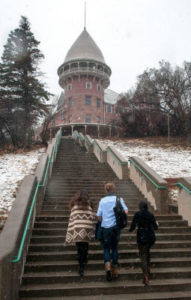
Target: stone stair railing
(51, 267)
(100, 151)
(16, 234)
(152, 186)
(184, 198)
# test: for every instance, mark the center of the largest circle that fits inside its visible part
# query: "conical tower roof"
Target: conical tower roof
(84, 48)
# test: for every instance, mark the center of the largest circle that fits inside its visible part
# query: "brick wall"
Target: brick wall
(76, 110)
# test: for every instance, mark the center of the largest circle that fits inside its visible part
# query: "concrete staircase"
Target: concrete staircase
(51, 268)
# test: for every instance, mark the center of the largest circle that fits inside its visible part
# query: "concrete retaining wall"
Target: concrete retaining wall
(88, 143)
(81, 139)
(150, 184)
(11, 236)
(99, 151)
(117, 163)
(184, 199)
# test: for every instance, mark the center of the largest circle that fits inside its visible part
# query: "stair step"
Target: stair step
(128, 238)
(98, 254)
(130, 274)
(144, 296)
(62, 231)
(44, 224)
(72, 265)
(159, 218)
(50, 270)
(61, 247)
(106, 288)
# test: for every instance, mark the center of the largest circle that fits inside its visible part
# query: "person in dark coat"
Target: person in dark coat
(146, 224)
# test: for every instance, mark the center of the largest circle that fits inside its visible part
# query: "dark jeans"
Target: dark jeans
(111, 238)
(144, 254)
(82, 250)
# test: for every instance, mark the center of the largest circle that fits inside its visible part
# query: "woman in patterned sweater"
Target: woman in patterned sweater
(81, 226)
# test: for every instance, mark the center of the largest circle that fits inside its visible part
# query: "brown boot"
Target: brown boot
(114, 271)
(108, 271)
(146, 280)
(148, 270)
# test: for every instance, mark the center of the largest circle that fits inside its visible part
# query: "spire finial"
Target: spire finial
(85, 14)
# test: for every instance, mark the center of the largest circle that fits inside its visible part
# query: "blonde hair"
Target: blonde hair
(109, 187)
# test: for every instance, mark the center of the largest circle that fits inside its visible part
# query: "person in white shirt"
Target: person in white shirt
(111, 233)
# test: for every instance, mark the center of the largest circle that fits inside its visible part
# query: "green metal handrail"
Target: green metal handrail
(75, 134)
(38, 185)
(181, 185)
(81, 137)
(51, 160)
(115, 156)
(18, 257)
(46, 172)
(148, 177)
(89, 143)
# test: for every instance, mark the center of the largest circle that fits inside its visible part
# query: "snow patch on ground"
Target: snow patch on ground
(13, 168)
(172, 162)
(168, 162)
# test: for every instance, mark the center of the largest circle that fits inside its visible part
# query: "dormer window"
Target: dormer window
(88, 85)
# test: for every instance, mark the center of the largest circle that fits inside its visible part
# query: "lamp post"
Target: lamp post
(168, 125)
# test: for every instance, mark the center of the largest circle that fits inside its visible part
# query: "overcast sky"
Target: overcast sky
(132, 34)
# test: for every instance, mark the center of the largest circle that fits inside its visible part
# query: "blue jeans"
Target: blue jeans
(111, 238)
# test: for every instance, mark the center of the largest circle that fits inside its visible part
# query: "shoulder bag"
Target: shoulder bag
(120, 215)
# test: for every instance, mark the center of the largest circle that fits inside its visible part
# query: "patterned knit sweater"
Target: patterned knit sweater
(81, 225)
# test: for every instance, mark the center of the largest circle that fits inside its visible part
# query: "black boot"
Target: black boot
(81, 271)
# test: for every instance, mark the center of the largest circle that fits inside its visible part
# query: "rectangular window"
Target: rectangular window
(62, 115)
(69, 87)
(98, 102)
(53, 121)
(70, 102)
(98, 119)
(109, 108)
(88, 119)
(99, 87)
(88, 85)
(88, 100)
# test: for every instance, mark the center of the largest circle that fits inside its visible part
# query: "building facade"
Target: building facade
(86, 102)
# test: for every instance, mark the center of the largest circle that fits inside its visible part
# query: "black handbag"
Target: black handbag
(120, 215)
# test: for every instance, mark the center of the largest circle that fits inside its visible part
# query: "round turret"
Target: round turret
(84, 76)
(84, 59)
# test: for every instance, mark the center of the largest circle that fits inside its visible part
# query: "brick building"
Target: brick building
(86, 103)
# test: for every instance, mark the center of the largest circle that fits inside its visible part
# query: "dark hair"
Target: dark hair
(81, 198)
(143, 205)
(109, 187)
